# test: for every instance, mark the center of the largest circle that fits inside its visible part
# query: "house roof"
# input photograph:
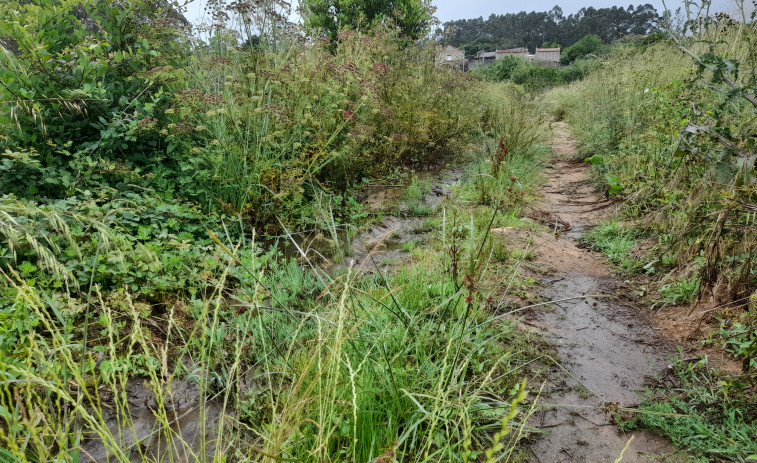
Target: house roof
(514, 50)
(486, 54)
(547, 49)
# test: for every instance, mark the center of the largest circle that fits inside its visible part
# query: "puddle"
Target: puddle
(192, 434)
(381, 245)
(193, 424)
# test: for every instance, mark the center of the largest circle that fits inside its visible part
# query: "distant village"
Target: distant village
(455, 57)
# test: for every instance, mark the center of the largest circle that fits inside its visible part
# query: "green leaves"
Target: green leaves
(329, 17)
(614, 186)
(68, 72)
(741, 341)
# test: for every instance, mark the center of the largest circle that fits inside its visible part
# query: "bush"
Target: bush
(588, 45)
(501, 70)
(83, 87)
(578, 69)
(534, 76)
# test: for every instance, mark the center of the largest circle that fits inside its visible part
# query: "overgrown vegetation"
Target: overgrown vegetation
(668, 125)
(147, 175)
(704, 413)
(670, 132)
(533, 76)
(149, 312)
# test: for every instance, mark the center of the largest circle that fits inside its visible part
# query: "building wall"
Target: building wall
(548, 55)
(450, 54)
(519, 55)
(520, 52)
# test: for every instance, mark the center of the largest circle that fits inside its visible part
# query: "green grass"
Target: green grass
(617, 243)
(410, 246)
(417, 189)
(317, 366)
(680, 292)
(162, 277)
(716, 420)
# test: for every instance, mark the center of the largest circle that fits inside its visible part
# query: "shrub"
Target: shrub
(501, 70)
(534, 76)
(588, 45)
(81, 94)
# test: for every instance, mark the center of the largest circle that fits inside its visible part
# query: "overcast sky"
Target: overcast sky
(456, 9)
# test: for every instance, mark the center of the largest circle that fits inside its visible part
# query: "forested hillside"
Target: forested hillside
(534, 29)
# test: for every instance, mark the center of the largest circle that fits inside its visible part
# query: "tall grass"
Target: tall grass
(649, 124)
(411, 366)
(263, 358)
(146, 319)
(281, 126)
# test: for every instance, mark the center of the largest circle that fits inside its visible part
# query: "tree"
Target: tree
(328, 17)
(536, 28)
(502, 69)
(590, 44)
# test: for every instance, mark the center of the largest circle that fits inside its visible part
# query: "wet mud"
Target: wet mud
(193, 420)
(192, 424)
(607, 350)
(381, 246)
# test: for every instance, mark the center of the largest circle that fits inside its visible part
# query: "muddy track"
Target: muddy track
(607, 349)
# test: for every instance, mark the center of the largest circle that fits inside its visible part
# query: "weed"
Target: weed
(705, 414)
(680, 291)
(617, 243)
(410, 246)
(417, 189)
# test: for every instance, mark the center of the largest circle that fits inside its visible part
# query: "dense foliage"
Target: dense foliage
(552, 27)
(690, 171)
(114, 126)
(148, 179)
(328, 17)
(534, 76)
(588, 45)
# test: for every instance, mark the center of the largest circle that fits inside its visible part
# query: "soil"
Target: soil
(608, 350)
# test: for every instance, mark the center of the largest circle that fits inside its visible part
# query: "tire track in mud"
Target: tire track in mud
(607, 348)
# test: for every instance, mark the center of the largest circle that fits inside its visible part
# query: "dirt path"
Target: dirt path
(606, 346)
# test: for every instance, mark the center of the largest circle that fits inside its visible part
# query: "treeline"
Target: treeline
(549, 27)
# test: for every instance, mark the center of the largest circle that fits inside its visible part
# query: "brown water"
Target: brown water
(192, 425)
